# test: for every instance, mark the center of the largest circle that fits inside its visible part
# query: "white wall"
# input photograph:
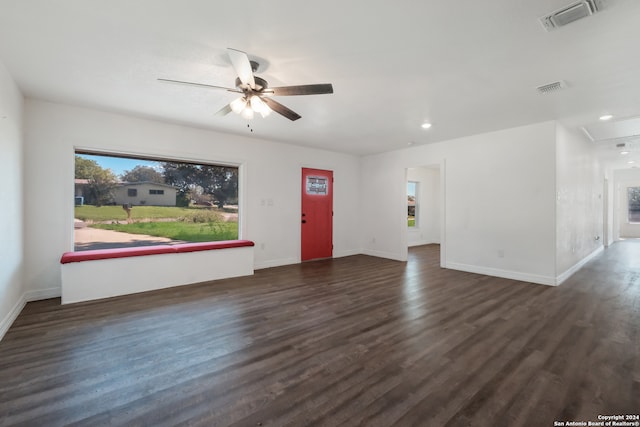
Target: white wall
(11, 223)
(270, 182)
(579, 201)
(499, 201)
(624, 178)
(427, 228)
(383, 209)
(609, 201)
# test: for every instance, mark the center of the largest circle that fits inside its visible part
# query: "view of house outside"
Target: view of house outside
(127, 202)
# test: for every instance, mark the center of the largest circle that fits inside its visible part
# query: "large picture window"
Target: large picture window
(633, 198)
(126, 202)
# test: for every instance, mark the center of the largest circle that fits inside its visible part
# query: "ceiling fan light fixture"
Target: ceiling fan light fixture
(238, 105)
(259, 106)
(247, 113)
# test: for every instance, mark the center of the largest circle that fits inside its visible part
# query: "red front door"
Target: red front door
(317, 214)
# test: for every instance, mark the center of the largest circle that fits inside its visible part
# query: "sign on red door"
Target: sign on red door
(317, 214)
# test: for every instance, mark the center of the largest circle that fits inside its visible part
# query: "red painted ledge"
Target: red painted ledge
(98, 254)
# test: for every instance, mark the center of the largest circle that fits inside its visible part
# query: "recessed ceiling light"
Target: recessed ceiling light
(606, 117)
(624, 153)
(631, 162)
(426, 125)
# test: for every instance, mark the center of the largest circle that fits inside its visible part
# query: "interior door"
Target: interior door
(317, 214)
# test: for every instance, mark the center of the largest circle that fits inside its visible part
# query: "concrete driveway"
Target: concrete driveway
(93, 238)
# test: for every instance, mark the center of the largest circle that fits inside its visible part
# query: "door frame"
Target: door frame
(442, 167)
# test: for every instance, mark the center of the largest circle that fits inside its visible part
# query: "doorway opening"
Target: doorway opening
(423, 205)
(425, 187)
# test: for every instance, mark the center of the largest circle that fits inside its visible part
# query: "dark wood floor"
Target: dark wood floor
(351, 341)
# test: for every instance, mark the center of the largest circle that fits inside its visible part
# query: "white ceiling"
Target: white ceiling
(467, 66)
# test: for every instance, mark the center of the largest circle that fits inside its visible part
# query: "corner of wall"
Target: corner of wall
(12, 298)
(577, 266)
(579, 208)
(12, 315)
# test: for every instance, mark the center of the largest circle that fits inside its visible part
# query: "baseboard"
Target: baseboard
(577, 266)
(289, 261)
(423, 242)
(26, 297)
(41, 294)
(341, 254)
(506, 274)
(381, 254)
(275, 263)
(8, 320)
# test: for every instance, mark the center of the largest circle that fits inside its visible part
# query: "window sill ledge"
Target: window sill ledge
(100, 254)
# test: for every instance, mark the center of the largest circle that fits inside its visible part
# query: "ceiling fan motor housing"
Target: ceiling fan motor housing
(261, 84)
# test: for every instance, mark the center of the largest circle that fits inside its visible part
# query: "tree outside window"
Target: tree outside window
(99, 182)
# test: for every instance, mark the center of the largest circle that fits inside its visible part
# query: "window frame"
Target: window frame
(162, 157)
(416, 187)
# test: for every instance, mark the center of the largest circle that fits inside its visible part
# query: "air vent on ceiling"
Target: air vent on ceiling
(631, 143)
(568, 14)
(552, 87)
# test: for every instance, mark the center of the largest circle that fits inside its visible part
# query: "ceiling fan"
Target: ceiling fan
(256, 93)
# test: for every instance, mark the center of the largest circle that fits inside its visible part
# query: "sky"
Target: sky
(119, 165)
(411, 188)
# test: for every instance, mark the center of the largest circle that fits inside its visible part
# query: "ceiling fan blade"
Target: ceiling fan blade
(241, 64)
(317, 89)
(199, 85)
(224, 110)
(281, 109)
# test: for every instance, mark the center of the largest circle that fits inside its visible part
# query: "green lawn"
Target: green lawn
(188, 231)
(411, 222)
(115, 213)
